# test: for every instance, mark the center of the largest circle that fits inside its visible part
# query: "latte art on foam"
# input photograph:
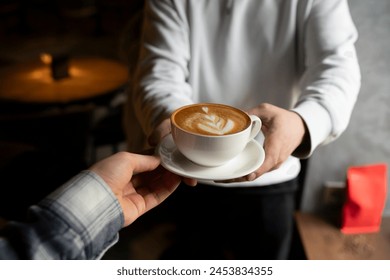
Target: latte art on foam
(212, 120)
(211, 123)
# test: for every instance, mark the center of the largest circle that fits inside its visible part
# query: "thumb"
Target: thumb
(143, 163)
(272, 156)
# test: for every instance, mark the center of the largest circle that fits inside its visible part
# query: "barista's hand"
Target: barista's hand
(162, 130)
(283, 130)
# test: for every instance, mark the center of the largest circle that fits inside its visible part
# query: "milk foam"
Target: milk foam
(220, 127)
(210, 123)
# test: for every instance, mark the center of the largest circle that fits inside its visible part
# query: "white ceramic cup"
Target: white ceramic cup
(212, 150)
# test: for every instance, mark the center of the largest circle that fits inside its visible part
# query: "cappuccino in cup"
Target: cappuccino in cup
(211, 119)
(212, 134)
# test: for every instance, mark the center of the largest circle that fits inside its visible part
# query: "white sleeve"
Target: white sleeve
(160, 85)
(331, 81)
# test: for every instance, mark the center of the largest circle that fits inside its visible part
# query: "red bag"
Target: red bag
(365, 199)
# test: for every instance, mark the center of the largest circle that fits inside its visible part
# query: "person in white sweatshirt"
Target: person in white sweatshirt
(291, 62)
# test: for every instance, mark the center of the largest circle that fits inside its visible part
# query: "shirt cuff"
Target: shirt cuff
(318, 123)
(88, 206)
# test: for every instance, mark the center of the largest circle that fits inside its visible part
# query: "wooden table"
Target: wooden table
(322, 240)
(89, 77)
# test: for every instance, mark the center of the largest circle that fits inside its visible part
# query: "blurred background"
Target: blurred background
(366, 140)
(61, 115)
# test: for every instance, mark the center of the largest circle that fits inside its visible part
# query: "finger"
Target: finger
(189, 181)
(235, 180)
(147, 178)
(143, 163)
(272, 158)
(157, 190)
(263, 111)
(170, 182)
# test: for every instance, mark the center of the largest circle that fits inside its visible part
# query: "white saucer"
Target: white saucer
(248, 161)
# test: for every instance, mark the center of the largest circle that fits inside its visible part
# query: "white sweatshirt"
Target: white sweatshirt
(295, 54)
